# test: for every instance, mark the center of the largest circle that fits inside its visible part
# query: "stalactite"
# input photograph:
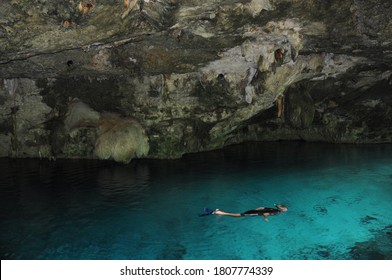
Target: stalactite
(280, 106)
(12, 85)
(14, 139)
(128, 7)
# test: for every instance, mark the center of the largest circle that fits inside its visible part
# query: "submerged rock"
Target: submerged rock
(377, 248)
(175, 251)
(321, 210)
(368, 219)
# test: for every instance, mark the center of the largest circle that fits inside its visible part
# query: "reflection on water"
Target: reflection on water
(81, 209)
(131, 183)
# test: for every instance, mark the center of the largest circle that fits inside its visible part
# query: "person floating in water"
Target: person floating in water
(261, 211)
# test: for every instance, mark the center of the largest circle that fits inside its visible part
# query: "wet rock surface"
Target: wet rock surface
(195, 76)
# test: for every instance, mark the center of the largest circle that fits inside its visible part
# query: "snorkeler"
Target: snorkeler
(261, 211)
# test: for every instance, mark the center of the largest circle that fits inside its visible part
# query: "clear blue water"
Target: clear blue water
(339, 199)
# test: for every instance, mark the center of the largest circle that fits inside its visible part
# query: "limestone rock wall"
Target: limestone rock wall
(194, 75)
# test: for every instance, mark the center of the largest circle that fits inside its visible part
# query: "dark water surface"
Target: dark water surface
(339, 199)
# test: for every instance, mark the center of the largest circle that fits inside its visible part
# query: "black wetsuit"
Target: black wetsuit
(261, 212)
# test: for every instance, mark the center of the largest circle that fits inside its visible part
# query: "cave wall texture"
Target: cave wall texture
(159, 78)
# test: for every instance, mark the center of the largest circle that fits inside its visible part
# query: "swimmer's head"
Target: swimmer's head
(282, 208)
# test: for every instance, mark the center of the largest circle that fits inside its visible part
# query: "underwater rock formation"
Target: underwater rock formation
(197, 76)
(175, 251)
(377, 248)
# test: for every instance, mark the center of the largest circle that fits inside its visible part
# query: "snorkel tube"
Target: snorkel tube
(281, 207)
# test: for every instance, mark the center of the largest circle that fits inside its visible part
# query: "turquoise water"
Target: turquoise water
(339, 199)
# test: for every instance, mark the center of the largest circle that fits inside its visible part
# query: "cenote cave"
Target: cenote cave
(121, 121)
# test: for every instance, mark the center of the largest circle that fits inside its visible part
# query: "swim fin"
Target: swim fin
(207, 212)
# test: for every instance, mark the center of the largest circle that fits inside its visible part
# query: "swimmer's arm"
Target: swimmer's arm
(260, 208)
(265, 215)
